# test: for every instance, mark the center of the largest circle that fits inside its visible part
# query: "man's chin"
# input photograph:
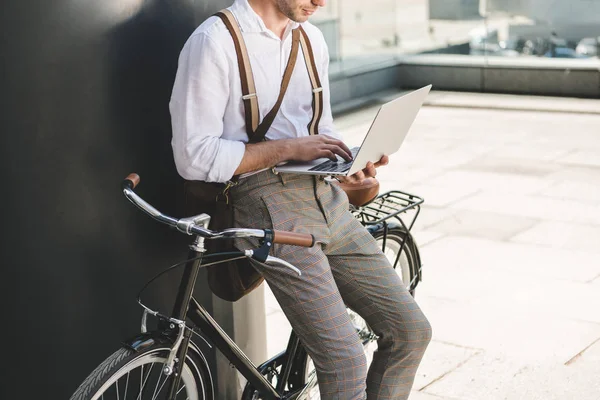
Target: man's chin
(301, 18)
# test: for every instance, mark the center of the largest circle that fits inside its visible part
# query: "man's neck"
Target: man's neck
(274, 20)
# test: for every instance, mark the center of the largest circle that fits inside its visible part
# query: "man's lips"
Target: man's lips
(309, 12)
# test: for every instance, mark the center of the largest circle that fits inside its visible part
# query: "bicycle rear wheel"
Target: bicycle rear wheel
(127, 374)
(407, 267)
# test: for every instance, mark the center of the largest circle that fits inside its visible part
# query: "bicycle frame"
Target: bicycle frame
(188, 307)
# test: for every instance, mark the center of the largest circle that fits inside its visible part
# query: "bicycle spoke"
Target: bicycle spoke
(183, 387)
(144, 384)
(126, 386)
(141, 379)
(161, 386)
(156, 387)
(117, 383)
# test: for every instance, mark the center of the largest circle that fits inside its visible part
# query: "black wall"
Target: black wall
(85, 87)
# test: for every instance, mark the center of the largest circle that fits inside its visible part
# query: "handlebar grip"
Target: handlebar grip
(131, 181)
(296, 239)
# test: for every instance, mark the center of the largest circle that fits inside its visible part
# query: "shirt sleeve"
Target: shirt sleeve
(326, 126)
(198, 102)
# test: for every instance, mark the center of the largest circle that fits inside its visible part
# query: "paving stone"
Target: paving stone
(582, 157)
(405, 179)
(458, 257)
(482, 224)
(539, 207)
(581, 191)
(518, 166)
(499, 324)
(414, 395)
(430, 215)
(531, 153)
(491, 182)
(440, 359)
(560, 235)
(442, 195)
(576, 174)
(487, 376)
(424, 237)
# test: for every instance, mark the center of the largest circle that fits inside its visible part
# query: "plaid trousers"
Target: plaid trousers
(345, 268)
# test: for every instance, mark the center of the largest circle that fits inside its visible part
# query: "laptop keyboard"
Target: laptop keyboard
(336, 166)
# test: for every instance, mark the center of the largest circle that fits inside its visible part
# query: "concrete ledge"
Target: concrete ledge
(486, 101)
(348, 87)
(531, 76)
(513, 102)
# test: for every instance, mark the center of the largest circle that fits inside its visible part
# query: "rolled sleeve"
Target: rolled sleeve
(198, 103)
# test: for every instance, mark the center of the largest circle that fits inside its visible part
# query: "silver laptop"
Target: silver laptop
(387, 132)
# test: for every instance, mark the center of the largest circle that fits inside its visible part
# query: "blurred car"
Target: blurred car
(588, 47)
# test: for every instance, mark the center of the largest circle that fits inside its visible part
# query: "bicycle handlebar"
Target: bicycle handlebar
(197, 224)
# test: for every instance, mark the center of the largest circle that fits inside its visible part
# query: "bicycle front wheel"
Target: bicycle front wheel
(127, 374)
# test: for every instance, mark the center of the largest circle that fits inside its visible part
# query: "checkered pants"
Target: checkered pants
(346, 267)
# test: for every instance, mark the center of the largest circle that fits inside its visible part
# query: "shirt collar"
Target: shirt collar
(250, 21)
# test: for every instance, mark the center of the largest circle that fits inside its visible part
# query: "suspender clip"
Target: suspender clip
(224, 196)
(317, 90)
(250, 96)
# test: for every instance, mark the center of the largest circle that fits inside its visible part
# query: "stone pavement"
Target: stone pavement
(510, 241)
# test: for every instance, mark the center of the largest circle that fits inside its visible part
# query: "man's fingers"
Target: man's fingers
(346, 150)
(369, 171)
(327, 153)
(359, 176)
(341, 152)
(383, 161)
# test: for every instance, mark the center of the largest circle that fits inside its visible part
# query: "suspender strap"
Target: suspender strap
(248, 88)
(260, 133)
(309, 58)
(257, 131)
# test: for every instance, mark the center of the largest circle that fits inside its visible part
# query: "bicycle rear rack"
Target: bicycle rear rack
(392, 204)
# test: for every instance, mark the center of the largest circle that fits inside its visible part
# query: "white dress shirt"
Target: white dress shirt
(207, 111)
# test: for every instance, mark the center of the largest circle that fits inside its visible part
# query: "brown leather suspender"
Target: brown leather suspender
(256, 131)
(317, 89)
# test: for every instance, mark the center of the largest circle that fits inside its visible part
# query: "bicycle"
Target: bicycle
(290, 374)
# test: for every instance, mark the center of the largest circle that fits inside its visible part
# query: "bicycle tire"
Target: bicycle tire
(409, 260)
(103, 382)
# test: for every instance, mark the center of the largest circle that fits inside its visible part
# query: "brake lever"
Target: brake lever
(262, 254)
(273, 260)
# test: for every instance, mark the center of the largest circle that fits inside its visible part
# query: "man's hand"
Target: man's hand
(272, 152)
(368, 172)
(310, 148)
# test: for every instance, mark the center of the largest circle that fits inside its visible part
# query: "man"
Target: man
(346, 267)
